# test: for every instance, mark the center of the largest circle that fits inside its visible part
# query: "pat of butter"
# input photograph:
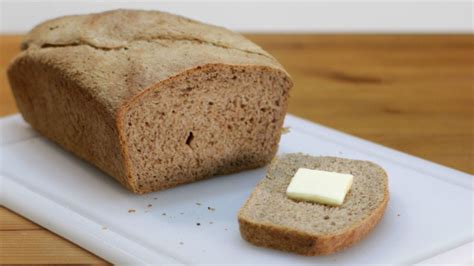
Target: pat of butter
(319, 186)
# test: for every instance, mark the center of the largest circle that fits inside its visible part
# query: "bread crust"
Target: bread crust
(303, 243)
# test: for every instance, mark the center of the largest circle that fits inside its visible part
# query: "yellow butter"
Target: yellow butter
(319, 186)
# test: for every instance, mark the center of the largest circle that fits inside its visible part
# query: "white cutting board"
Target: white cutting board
(430, 209)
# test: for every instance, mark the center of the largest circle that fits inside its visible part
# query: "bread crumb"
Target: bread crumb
(398, 214)
(164, 214)
(149, 205)
(198, 224)
(225, 229)
(131, 210)
(104, 227)
(285, 130)
(181, 213)
(198, 203)
(181, 243)
(211, 209)
(155, 198)
(210, 222)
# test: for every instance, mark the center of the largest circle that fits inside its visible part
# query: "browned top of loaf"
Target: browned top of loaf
(117, 54)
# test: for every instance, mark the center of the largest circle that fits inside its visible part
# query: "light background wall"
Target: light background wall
(270, 16)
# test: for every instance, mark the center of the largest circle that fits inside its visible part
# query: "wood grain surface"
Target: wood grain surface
(414, 93)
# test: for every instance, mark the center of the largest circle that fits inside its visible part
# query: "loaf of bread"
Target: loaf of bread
(270, 219)
(153, 99)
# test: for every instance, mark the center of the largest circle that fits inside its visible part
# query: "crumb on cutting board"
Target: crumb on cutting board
(198, 203)
(211, 209)
(131, 210)
(164, 214)
(149, 205)
(285, 130)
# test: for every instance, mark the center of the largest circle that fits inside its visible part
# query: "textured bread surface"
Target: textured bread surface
(270, 219)
(153, 99)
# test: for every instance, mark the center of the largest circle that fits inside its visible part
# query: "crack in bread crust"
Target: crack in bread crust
(26, 45)
(118, 29)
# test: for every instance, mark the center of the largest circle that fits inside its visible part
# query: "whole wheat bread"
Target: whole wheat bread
(270, 219)
(153, 99)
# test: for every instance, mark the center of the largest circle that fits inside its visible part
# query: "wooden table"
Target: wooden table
(413, 93)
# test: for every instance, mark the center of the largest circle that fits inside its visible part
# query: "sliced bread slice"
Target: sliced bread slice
(270, 219)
